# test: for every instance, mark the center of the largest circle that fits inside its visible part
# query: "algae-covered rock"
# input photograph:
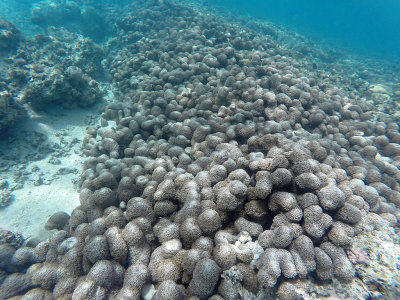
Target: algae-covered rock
(70, 88)
(10, 111)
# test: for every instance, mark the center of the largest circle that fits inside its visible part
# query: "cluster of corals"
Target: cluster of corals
(57, 70)
(219, 134)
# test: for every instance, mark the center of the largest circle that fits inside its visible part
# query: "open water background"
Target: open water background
(365, 27)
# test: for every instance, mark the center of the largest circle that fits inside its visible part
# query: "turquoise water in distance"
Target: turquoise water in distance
(367, 27)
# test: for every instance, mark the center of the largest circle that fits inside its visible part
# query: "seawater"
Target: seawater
(367, 27)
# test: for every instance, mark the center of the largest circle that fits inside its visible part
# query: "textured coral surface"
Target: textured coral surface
(227, 169)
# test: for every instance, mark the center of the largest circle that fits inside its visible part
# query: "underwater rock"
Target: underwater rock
(10, 37)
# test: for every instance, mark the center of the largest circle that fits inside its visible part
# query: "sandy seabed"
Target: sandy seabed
(48, 184)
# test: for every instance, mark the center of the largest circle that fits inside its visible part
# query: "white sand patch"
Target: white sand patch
(33, 205)
(41, 161)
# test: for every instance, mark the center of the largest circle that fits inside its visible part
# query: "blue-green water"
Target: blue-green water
(362, 26)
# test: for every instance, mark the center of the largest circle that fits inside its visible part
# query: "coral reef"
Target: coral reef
(10, 111)
(226, 169)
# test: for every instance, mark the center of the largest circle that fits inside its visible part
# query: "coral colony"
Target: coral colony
(226, 169)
